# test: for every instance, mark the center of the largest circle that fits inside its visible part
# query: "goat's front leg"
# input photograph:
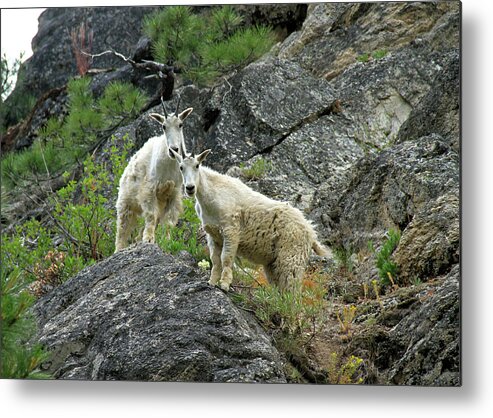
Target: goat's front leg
(228, 254)
(215, 252)
(151, 221)
(214, 242)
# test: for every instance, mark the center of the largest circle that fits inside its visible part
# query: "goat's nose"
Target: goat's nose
(190, 188)
(175, 149)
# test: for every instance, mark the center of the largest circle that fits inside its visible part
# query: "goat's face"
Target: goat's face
(190, 170)
(173, 128)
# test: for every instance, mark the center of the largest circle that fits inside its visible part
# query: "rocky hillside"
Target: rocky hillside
(354, 114)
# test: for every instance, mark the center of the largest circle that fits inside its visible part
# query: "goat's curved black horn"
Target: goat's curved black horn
(177, 106)
(164, 108)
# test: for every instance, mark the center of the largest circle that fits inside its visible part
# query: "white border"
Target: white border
(117, 399)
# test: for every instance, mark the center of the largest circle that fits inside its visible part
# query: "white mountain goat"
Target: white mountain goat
(241, 221)
(151, 183)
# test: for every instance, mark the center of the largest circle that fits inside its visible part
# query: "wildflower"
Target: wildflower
(204, 265)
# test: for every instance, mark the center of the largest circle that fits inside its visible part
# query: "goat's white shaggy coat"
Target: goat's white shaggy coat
(151, 183)
(241, 221)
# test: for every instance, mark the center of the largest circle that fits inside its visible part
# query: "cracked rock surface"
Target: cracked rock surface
(144, 315)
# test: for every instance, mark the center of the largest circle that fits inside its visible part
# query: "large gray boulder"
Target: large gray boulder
(412, 186)
(311, 165)
(415, 340)
(259, 107)
(439, 111)
(429, 339)
(144, 315)
(312, 159)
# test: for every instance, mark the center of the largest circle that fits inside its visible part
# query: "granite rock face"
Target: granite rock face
(430, 339)
(143, 315)
(53, 63)
(335, 35)
(439, 110)
(416, 339)
(412, 187)
(259, 107)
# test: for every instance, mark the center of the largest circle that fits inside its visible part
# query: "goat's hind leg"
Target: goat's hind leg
(288, 269)
(170, 200)
(172, 207)
(150, 211)
(125, 224)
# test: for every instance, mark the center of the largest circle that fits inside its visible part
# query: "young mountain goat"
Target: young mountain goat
(239, 220)
(151, 183)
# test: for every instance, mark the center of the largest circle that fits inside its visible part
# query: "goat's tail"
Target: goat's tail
(321, 250)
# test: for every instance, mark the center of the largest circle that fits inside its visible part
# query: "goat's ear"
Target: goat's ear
(158, 117)
(201, 157)
(177, 156)
(183, 115)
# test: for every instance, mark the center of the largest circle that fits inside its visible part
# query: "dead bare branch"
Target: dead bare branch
(158, 69)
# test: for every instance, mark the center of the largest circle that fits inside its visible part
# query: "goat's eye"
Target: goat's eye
(180, 125)
(197, 166)
(181, 168)
(164, 127)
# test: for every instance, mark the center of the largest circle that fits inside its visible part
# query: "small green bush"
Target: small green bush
(257, 170)
(345, 372)
(37, 163)
(343, 258)
(379, 54)
(296, 314)
(174, 33)
(18, 358)
(387, 268)
(363, 57)
(120, 103)
(375, 55)
(83, 217)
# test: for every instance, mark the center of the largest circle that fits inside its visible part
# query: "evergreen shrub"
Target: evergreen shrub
(207, 46)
